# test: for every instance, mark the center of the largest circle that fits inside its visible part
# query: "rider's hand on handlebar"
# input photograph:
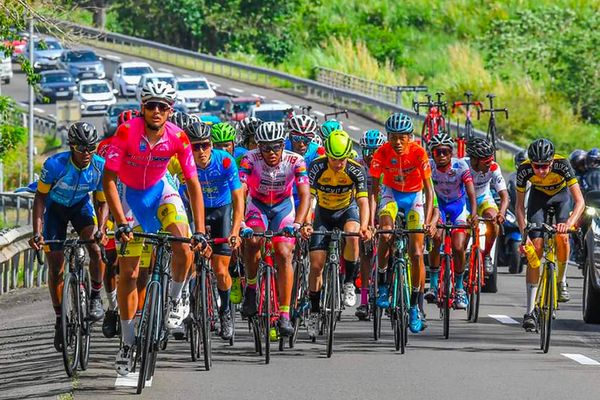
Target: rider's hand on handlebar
(561, 228)
(124, 233)
(365, 233)
(430, 230)
(101, 238)
(500, 218)
(234, 241)
(473, 220)
(36, 242)
(306, 231)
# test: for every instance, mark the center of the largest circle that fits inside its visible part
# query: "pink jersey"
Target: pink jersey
(272, 185)
(140, 165)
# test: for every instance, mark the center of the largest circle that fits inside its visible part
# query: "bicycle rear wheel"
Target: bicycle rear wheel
(547, 309)
(86, 323)
(475, 276)
(70, 323)
(147, 336)
(331, 301)
(447, 295)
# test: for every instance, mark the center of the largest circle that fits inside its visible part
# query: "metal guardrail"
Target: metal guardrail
(16, 208)
(17, 256)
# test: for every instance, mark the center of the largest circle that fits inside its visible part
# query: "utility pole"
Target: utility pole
(31, 100)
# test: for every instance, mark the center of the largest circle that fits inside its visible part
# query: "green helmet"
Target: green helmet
(223, 133)
(329, 126)
(338, 145)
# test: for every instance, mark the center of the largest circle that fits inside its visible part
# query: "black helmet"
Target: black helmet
(592, 159)
(480, 148)
(82, 133)
(181, 119)
(520, 157)
(577, 159)
(541, 150)
(197, 131)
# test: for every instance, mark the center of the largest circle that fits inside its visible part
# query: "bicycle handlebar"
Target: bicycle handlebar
(334, 232)
(38, 253)
(398, 231)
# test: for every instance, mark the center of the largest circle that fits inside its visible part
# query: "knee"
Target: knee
(181, 249)
(562, 240)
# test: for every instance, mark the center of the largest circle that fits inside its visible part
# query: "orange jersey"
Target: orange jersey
(402, 172)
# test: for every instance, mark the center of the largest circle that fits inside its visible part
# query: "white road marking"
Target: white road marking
(279, 102)
(354, 128)
(162, 69)
(112, 56)
(505, 319)
(319, 113)
(186, 76)
(38, 110)
(130, 380)
(581, 359)
(236, 90)
(260, 96)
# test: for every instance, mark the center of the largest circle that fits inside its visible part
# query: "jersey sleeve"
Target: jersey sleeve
(497, 179)
(233, 175)
(567, 171)
(376, 167)
(524, 172)
(360, 180)
(423, 161)
(115, 152)
(185, 157)
(300, 173)
(246, 167)
(465, 174)
(47, 176)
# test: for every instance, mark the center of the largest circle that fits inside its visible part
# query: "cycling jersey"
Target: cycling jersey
(402, 172)
(239, 152)
(141, 165)
(103, 147)
(366, 168)
(336, 190)
(66, 184)
(313, 151)
(483, 180)
(560, 176)
(272, 185)
(449, 184)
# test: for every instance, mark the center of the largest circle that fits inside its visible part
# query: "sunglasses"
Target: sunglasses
(152, 105)
(301, 138)
(540, 165)
(275, 148)
(201, 146)
(82, 148)
(221, 145)
(442, 152)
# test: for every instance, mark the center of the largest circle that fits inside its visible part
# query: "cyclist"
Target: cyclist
(592, 166)
(268, 174)
(511, 182)
(369, 143)
(486, 173)
(246, 129)
(147, 199)
(552, 179)
(223, 208)
(329, 126)
(223, 137)
(577, 161)
(339, 186)
(451, 179)
(182, 119)
(404, 170)
(63, 196)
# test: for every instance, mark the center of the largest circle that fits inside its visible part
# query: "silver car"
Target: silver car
(127, 75)
(46, 53)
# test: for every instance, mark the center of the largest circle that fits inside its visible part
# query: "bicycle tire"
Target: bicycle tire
(86, 324)
(294, 307)
(204, 320)
(70, 317)
(475, 276)
(403, 311)
(548, 307)
(232, 311)
(147, 349)
(395, 315)
(375, 311)
(330, 307)
(193, 335)
(194, 326)
(267, 313)
(164, 331)
(256, 334)
(447, 294)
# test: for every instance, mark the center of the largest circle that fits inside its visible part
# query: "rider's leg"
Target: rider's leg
(459, 243)
(284, 252)
(127, 295)
(417, 264)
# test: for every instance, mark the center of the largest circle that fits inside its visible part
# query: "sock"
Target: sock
(112, 300)
(351, 268)
(251, 283)
(128, 331)
(458, 283)
(57, 311)
(176, 290)
(284, 312)
(433, 282)
(364, 296)
(562, 271)
(224, 296)
(96, 287)
(420, 302)
(531, 293)
(315, 299)
(381, 277)
(414, 297)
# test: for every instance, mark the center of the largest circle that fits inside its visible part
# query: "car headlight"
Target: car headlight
(590, 211)
(36, 64)
(82, 106)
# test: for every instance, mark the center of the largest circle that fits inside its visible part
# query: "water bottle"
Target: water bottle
(532, 259)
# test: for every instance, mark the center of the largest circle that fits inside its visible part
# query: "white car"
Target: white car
(191, 91)
(275, 112)
(154, 77)
(6, 72)
(95, 96)
(128, 74)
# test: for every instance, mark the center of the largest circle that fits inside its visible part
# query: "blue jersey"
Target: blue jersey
(219, 179)
(313, 151)
(66, 184)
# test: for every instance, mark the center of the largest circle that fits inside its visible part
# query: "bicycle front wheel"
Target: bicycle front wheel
(331, 301)
(147, 336)
(267, 313)
(70, 323)
(86, 323)
(447, 295)
(475, 277)
(205, 332)
(547, 307)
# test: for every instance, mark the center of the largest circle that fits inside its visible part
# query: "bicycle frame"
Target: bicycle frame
(491, 129)
(463, 138)
(435, 121)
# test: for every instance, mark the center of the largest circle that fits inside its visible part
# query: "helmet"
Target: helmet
(520, 157)
(372, 139)
(329, 126)
(197, 131)
(577, 159)
(338, 145)
(181, 119)
(82, 133)
(317, 139)
(399, 123)
(540, 150)
(223, 133)
(302, 125)
(270, 132)
(592, 159)
(126, 116)
(158, 90)
(248, 126)
(441, 139)
(479, 148)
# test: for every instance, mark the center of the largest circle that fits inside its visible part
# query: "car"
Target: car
(591, 264)
(215, 106)
(240, 106)
(82, 64)
(46, 53)
(154, 77)
(109, 123)
(55, 85)
(127, 76)
(95, 96)
(6, 72)
(191, 91)
(275, 112)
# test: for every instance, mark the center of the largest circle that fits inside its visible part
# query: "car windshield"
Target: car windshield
(117, 109)
(271, 115)
(243, 106)
(136, 71)
(81, 56)
(213, 105)
(95, 88)
(48, 45)
(56, 78)
(192, 85)
(170, 81)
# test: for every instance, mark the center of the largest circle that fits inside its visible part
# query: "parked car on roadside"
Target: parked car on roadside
(127, 76)
(155, 77)
(6, 72)
(55, 85)
(216, 106)
(46, 53)
(591, 264)
(95, 96)
(109, 124)
(239, 107)
(191, 91)
(82, 64)
(275, 112)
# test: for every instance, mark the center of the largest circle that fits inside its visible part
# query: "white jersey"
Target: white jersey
(449, 185)
(482, 181)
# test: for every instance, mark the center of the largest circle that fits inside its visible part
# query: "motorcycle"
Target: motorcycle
(508, 243)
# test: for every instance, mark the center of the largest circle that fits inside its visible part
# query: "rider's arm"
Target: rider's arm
(578, 206)
(373, 200)
(363, 208)
(304, 206)
(504, 201)
(101, 210)
(470, 188)
(196, 202)
(238, 210)
(39, 205)
(429, 199)
(109, 184)
(520, 211)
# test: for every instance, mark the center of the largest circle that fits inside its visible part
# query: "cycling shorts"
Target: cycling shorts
(484, 202)
(392, 201)
(456, 210)
(275, 217)
(219, 221)
(539, 202)
(57, 218)
(152, 209)
(326, 220)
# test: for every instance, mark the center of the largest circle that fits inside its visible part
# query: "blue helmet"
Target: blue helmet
(399, 123)
(592, 158)
(372, 139)
(329, 126)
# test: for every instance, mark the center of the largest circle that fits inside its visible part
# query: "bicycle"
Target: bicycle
(76, 324)
(331, 296)
(434, 122)
(476, 277)
(300, 293)
(491, 129)
(463, 137)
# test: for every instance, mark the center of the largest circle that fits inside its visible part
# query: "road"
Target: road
(492, 359)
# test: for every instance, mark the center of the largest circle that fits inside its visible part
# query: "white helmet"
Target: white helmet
(158, 90)
(270, 132)
(302, 125)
